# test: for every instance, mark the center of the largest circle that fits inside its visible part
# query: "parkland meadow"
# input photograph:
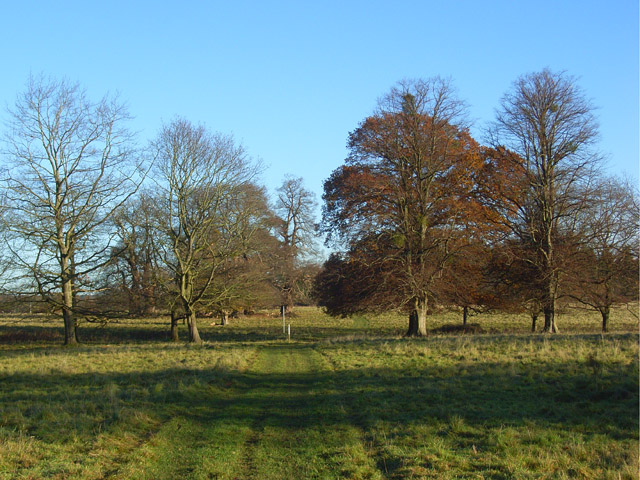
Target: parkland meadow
(342, 399)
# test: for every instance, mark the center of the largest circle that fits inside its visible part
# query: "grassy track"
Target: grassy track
(275, 424)
(299, 428)
(340, 401)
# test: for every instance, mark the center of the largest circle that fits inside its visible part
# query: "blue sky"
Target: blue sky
(290, 80)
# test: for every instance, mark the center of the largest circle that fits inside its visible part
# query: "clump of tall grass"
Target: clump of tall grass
(232, 361)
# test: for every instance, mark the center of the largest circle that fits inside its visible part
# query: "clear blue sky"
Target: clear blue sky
(291, 79)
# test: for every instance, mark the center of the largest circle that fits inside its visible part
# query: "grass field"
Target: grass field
(345, 398)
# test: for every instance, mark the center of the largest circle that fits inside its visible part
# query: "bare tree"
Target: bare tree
(68, 167)
(549, 124)
(200, 174)
(296, 231)
(241, 280)
(605, 269)
(134, 257)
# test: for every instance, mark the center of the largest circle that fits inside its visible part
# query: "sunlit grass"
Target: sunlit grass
(345, 398)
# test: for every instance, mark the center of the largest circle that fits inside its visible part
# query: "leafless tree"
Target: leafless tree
(605, 269)
(134, 257)
(69, 164)
(241, 280)
(296, 231)
(549, 124)
(200, 174)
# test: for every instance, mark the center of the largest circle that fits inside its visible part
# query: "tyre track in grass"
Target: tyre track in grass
(381, 466)
(301, 429)
(283, 416)
(190, 443)
(273, 383)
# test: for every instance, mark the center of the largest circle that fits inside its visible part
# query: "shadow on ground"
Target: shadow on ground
(482, 395)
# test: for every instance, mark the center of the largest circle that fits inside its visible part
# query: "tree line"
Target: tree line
(95, 227)
(424, 217)
(420, 217)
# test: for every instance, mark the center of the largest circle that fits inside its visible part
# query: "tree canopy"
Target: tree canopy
(404, 201)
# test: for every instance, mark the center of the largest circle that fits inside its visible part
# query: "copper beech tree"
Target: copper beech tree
(403, 205)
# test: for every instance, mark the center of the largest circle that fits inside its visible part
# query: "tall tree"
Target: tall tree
(201, 176)
(548, 127)
(69, 166)
(295, 230)
(408, 186)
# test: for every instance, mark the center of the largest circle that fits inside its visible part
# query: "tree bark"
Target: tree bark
(465, 315)
(413, 325)
(418, 320)
(224, 316)
(550, 325)
(549, 308)
(194, 336)
(186, 290)
(534, 319)
(70, 335)
(288, 293)
(174, 327)
(605, 312)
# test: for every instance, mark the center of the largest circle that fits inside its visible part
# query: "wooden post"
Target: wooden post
(289, 332)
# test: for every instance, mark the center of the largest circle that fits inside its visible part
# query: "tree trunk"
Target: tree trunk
(70, 335)
(194, 336)
(74, 299)
(418, 320)
(534, 319)
(174, 327)
(605, 312)
(413, 325)
(186, 290)
(224, 316)
(549, 308)
(465, 315)
(287, 294)
(550, 321)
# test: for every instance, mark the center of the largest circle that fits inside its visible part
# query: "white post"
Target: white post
(289, 331)
(283, 308)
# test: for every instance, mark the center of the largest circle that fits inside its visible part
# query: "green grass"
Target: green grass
(345, 398)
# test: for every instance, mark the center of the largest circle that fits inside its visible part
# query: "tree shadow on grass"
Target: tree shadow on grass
(50, 331)
(116, 333)
(481, 396)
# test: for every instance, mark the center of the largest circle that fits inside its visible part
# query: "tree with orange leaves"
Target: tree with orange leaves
(403, 206)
